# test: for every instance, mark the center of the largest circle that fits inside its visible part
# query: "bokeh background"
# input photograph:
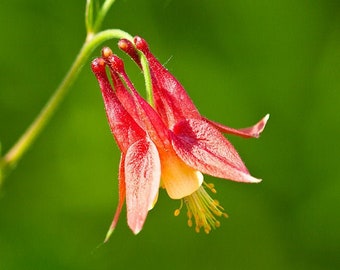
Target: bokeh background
(238, 61)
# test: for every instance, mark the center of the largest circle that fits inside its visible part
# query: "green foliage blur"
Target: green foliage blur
(238, 61)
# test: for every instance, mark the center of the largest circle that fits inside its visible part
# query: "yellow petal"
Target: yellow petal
(179, 179)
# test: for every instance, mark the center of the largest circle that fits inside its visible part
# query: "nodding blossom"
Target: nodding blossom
(170, 145)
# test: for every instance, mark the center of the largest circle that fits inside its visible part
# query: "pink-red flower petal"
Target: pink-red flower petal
(121, 196)
(152, 123)
(121, 92)
(142, 178)
(124, 128)
(249, 132)
(204, 148)
(171, 100)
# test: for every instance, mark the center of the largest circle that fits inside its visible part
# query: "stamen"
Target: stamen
(211, 186)
(203, 209)
(178, 210)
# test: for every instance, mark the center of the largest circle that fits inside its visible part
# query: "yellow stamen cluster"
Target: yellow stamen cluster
(202, 209)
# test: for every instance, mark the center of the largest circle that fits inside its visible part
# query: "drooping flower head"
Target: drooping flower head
(139, 169)
(170, 145)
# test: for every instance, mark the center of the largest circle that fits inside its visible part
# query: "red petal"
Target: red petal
(122, 190)
(204, 148)
(123, 126)
(151, 121)
(128, 47)
(122, 94)
(171, 99)
(142, 178)
(250, 132)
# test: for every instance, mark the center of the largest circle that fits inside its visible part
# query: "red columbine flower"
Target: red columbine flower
(195, 138)
(169, 146)
(139, 169)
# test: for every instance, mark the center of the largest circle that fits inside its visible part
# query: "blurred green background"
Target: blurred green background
(238, 61)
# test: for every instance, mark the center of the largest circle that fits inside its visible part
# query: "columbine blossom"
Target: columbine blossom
(170, 145)
(213, 155)
(139, 168)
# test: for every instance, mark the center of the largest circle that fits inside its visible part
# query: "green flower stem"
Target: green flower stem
(147, 79)
(93, 22)
(101, 14)
(89, 16)
(16, 152)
